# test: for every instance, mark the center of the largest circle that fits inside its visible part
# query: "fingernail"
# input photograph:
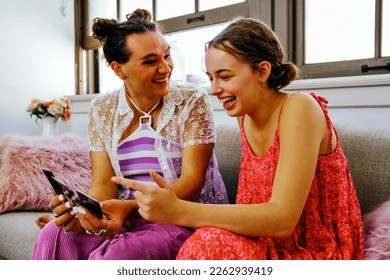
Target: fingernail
(74, 211)
(61, 197)
(114, 179)
(81, 211)
(67, 205)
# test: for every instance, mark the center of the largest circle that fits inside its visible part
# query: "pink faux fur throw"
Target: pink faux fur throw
(23, 185)
(377, 223)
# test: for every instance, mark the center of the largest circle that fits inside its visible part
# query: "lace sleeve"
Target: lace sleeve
(200, 127)
(96, 143)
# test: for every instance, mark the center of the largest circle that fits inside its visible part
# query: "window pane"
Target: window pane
(207, 4)
(339, 30)
(108, 80)
(386, 28)
(188, 49)
(173, 8)
(101, 8)
(129, 6)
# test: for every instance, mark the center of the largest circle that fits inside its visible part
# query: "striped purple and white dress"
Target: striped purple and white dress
(137, 240)
(137, 155)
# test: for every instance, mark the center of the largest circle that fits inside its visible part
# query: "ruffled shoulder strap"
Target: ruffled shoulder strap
(324, 104)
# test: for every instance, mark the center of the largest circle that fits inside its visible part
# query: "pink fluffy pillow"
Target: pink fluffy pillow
(377, 222)
(23, 186)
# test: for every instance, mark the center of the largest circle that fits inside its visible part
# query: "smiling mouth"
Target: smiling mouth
(160, 81)
(227, 100)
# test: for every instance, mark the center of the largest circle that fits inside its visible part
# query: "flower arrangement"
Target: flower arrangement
(56, 108)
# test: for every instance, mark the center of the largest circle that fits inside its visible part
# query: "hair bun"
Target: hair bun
(140, 14)
(102, 27)
(282, 75)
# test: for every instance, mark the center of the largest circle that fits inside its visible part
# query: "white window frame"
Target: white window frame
(204, 18)
(334, 69)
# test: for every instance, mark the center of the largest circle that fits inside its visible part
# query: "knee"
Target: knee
(49, 232)
(202, 243)
(49, 228)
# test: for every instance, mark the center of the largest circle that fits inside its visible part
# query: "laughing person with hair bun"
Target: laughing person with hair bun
(147, 124)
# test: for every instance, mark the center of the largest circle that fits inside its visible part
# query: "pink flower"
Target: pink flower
(56, 108)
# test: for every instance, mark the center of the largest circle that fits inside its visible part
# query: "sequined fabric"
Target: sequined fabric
(186, 119)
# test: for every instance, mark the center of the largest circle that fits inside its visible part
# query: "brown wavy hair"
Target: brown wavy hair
(253, 41)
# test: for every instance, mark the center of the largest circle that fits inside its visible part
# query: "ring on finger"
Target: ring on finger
(90, 232)
(96, 233)
(104, 230)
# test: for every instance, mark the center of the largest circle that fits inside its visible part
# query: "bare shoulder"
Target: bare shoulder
(300, 99)
(301, 110)
(301, 103)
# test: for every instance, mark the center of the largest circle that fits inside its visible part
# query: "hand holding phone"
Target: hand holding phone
(79, 198)
(90, 203)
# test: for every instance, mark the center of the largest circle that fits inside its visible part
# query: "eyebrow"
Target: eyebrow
(146, 57)
(219, 71)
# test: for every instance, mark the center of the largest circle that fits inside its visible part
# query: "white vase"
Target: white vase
(49, 126)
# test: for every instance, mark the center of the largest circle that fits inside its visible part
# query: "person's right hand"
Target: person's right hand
(62, 211)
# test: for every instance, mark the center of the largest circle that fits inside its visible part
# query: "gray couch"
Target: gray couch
(367, 151)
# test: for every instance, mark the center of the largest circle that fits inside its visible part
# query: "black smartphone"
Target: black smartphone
(81, 199)
(58, 186)
(49, 175)
(89, 202)
(69, 194)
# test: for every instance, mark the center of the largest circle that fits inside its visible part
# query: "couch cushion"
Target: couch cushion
(228, 151)
(18, 232)
(368, 154)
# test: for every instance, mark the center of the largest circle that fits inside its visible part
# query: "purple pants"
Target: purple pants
(142, 240)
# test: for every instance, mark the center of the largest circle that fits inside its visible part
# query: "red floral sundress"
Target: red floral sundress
(330, 226)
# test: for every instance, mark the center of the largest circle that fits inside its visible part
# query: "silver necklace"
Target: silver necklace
(146, 118)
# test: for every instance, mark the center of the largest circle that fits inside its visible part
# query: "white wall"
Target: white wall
(355, 101)
(37, 57)
(362, 101)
